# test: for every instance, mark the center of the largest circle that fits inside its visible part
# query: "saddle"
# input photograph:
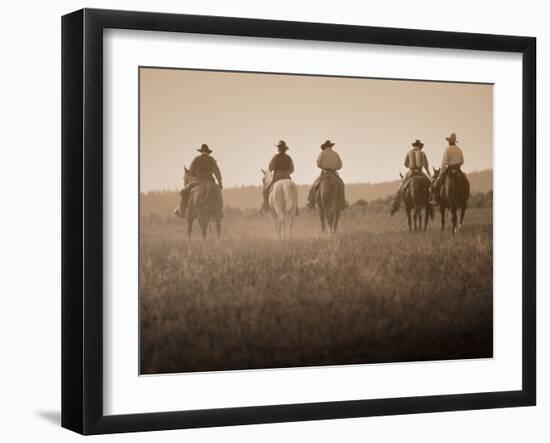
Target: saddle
(452, 172)
(415, 173)
(280, 175)
(329, 174)
(456, 171)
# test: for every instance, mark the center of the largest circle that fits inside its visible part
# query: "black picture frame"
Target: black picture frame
(82, 220)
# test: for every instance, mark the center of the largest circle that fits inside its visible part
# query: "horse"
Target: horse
(283, 203)
(417, 197)
(204, 204)
(328, 199)
(453, 194)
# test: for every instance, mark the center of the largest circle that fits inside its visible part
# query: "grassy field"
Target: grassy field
(375, 293)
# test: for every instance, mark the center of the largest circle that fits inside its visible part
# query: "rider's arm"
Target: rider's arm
(291, 167)
(193, 166)
(320, 160)
(407, 161)
(216, 172)
(426, 164)
(338, 162)
(461, 157)
(444, 160)
(271, 166)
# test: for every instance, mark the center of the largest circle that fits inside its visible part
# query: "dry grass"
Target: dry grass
(376, 293)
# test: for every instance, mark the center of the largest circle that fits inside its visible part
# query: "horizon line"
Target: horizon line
(259, 185)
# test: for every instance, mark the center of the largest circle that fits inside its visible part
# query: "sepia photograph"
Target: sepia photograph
(291, 220)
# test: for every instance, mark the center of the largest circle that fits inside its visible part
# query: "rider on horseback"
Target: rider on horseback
(453, 159)
(282, 166)
(329, 162)
(415, 160)
(203, 168)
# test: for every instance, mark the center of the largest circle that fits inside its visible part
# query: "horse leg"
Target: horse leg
(426, 215)
(454, 219)
(419, 210)
(284, 222)
(442, 211)
(203, 223)
(289, 221)
(279, 228)
(290, 224)
(275, 219)
(330, 222)
(322, 217)
(219, 226)
(409, 219)
(462, 212)
(417, 220)
(190, 221)
(336, 218)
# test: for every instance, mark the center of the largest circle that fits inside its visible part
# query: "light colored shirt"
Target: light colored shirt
(416, 159)
(329, 159)
(452, 156)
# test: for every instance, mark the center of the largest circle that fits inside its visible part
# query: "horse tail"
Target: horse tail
(284, 197)
(419, 190)
(291, 196)
(330, 198)
(458, 190)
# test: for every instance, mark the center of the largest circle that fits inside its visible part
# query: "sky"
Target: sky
(241, 116)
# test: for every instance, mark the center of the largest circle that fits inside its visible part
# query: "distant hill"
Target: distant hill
(163, 202)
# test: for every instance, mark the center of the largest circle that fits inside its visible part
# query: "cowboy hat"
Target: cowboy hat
(327, 144)
(282, 145)
(205, 148)
(417, 144)
(451, 138)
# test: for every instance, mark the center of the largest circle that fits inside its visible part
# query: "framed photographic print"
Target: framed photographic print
(269, 221)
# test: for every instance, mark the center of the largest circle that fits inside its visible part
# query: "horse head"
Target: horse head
(434, 192)
(435, 175)
(267, 178)
(188, 177)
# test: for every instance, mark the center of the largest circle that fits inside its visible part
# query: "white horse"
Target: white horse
(283, 203)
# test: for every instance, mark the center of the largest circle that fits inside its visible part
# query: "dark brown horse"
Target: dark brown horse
(205, 203)
(328, 200)
(453, 194)
(417, 198)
